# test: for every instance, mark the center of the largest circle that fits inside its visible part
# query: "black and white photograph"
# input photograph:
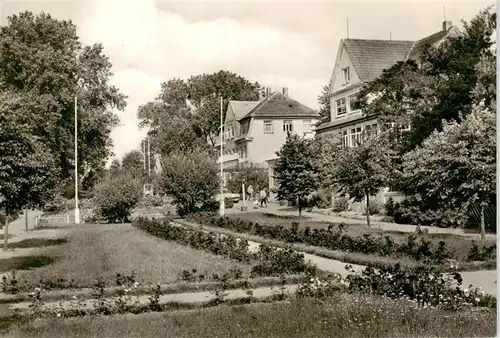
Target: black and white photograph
(249, 169)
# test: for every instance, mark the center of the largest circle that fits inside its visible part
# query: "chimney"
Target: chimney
(285, 92)
(268, 92)
(446, 25)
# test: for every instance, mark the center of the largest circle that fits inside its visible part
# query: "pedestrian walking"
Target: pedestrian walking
(249, 193)
(263, 197)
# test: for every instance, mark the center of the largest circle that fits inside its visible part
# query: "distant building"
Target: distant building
(255, 130)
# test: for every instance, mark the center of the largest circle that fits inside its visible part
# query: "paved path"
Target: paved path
(275, 208)
(485, 279)
(191, 297)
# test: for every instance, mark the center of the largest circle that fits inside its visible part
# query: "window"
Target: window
(231, 132)
(355, 136)
(307, 125)
(346, 75)
(345, 139)
(352, 101)
(268, 127)
(287, 126)
(341, 107)
(239, 152)
(371, 129)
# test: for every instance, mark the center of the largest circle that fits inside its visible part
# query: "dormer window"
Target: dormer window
(346, 75)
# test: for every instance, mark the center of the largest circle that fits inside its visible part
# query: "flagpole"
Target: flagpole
(222, 206)
(77, 210)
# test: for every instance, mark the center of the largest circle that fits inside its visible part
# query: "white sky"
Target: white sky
(279, 44)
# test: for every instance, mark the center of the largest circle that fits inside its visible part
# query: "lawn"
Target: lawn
(345, 315)
(459, 245)
(104, 250)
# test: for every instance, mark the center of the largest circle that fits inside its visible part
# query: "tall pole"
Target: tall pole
(143, 146)
(77, 211)
(221, 211)
(149, 158)
(348, 27)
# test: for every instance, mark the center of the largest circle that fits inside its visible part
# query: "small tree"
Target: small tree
(116, 196)
(362, 170)
(458, 165)
(295, 170)
(250, 174)
(191, 179)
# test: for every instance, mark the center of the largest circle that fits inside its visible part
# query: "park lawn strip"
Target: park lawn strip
(105, 250)
(343, 315)
(346, 257)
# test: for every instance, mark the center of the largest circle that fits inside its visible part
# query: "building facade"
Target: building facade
(358, 62)
(255, 130)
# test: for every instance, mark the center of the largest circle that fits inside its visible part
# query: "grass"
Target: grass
(25, 262)
(104, 250)
(341, 316)
(36, 242)
(458, 245)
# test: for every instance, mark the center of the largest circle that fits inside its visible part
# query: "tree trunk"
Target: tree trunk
(6, 233)
(300, 209)
(367, 209)
(26, 220)
(483, 228)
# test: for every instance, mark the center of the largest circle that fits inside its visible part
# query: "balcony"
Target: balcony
(228, 158)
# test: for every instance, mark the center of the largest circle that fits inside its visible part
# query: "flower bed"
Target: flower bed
(268, 261)
(417, 247)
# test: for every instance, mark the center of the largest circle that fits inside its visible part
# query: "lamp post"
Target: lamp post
(222, 206)
(77, 210)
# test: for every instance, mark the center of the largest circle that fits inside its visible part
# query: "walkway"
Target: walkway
(485, 279)
(275, 208)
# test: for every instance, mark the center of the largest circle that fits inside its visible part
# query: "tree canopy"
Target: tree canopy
(44, 63)
(186, 113)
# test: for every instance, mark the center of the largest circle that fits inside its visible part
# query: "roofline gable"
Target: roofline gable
(335, 68)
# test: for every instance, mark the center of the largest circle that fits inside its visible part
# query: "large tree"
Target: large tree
(295, 170)
(133, 164)
(457, 166)
(27, 166)
(43, 61)
(186, 114)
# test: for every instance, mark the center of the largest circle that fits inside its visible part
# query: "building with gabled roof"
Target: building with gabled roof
(360, 61)
(255, 130)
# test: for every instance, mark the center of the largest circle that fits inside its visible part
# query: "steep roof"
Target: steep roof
(371, 57)
(419, 46)
(279, 105)
(241, 108)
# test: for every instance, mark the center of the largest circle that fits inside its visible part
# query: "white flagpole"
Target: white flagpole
(222, 206)
(77, 210)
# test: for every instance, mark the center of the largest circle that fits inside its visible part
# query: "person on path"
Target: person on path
(263, 197)
(249, 193)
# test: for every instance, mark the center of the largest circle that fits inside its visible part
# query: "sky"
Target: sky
(279, 44)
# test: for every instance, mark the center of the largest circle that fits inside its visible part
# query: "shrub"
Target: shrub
(414, 211)
(228, 203)
(389, 207)
(250, 174)
(151, 201)
(116, 196)
(373, 207)
(192, 180)
(340, 204)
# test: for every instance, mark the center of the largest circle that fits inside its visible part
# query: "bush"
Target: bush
(414, 211)
(228, 203)
(151, 201)
(250, 174)
(340, 204)
(389, 207)
(116, 196)
(192, 180)
(373, 207)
